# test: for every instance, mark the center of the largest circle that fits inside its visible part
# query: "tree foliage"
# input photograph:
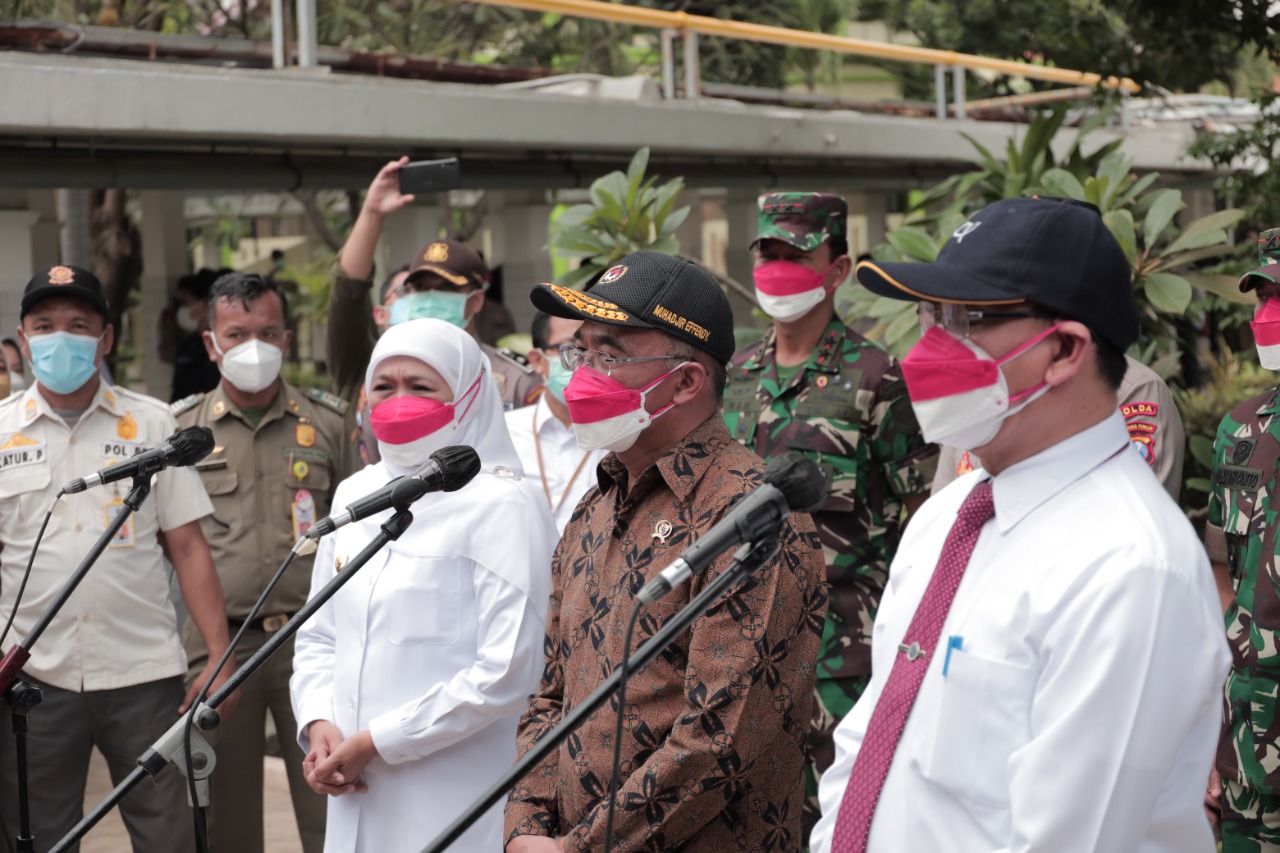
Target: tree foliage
(1178, 44)
(1250, 152)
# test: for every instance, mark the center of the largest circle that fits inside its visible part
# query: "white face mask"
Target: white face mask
(251, 366)
(17, 383)
(186, 319)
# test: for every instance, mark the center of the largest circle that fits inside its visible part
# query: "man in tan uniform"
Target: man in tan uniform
(279, 455)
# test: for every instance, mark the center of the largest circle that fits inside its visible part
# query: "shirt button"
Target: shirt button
(79, 528)
(86, 617)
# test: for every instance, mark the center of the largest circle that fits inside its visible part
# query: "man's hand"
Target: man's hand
(225, 709)
(534, 844)
(1213, 798)
(383, 197)
(333, 766)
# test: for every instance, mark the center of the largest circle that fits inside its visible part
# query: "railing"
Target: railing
(675, 25)
(682, 24)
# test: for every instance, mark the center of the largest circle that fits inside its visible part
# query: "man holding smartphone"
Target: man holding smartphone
(446, 280)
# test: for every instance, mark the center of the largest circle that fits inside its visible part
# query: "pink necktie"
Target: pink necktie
(858, 807)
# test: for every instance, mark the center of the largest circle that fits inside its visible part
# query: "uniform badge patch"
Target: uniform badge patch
(1242, 450)
(613, 274)
(124, 536)
(31, 409)
(436, 253)
(964, 465)
(19, 450)
(305, 435)
(61, 275)
(1140, 410)
(127, 427)
(304, 513)
(1238, 478)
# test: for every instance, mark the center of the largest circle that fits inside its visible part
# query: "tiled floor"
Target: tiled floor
(109, 835)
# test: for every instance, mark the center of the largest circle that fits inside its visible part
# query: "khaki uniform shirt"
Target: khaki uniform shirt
(118, 629)
(268, 485)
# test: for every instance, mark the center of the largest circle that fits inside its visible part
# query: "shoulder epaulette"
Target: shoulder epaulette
(329, 399)
(185, 404)
(515, 358)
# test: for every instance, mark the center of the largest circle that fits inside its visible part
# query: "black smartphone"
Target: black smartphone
(430, 176)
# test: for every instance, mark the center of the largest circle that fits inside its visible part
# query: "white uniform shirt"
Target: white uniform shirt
(1080, 706)
(569, 470)
(435, 656)
(118, 629)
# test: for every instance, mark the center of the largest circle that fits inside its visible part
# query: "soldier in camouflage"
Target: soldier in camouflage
(814, 385)
(1241, 540)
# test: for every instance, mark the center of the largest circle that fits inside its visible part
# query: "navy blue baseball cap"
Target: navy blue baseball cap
(1056, 253)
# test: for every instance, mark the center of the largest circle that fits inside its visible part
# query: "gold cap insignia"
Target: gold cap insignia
(61, 275)
(613, 274)
(437, 253)
(588, 304)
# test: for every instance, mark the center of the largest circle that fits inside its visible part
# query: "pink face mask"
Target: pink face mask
(1266, 333)
(787, 290)
(606, 414)
(959, 392)
(409, 429)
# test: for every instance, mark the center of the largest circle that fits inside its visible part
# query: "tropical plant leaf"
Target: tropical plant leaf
(1164, 205)
(1168, 292)
(669, 224)
(914, 243)
(1060, 182)
(1223, 286)
(1121, 224)
(1221, 219)
(1197, 239)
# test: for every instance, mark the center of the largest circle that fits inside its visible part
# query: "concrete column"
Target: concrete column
(690, 231)
(76, 237)
(45, 243)
(404, 234)
(518, 240)
(17, 247)
(742, 215)
(164, 260)
(868, 212)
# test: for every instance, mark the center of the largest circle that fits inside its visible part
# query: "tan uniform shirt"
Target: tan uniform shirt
(268, 485)
(118, 629)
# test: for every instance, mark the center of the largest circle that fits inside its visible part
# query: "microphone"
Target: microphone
(792, 483)
(448, 470)
(185, 447)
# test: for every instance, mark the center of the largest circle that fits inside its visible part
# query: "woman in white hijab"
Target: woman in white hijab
(408, 683)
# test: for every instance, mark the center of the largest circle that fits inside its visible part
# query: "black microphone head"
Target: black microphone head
(799, 479)
(190, 445)
(458, 465)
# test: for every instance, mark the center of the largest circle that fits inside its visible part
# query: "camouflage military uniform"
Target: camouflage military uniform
(1242, 533)
(847, 409)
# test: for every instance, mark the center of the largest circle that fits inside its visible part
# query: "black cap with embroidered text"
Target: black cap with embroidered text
(64, 280)
(650, 290)
(1055, 253)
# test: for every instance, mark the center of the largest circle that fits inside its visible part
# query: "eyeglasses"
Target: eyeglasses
(958, 320)
(573, 357)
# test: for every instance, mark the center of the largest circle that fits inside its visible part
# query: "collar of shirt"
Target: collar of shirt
(681, 468)
(1029, 484)
(549, 426)
(823, 358)
(34, 405)
(222, 405)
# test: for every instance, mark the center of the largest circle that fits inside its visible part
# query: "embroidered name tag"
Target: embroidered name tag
(1235, 477)
(120, 449)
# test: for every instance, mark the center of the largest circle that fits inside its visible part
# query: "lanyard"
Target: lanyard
(542, 469)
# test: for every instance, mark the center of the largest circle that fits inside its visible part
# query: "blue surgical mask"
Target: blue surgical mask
(433, 305)
(63, 362)
(558, 377)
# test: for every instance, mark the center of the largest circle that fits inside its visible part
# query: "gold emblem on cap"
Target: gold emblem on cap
(588, 304)
(437, 253)
(61, 275)
(613, 274)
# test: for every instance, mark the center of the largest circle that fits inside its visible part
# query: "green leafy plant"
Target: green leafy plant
(628, 212)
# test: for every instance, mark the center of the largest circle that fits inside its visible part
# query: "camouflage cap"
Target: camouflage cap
(1268, 259)
(803, 220)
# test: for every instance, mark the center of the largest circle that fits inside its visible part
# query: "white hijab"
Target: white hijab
(457, 357)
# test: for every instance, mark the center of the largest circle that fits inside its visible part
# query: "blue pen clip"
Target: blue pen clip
(953, 642)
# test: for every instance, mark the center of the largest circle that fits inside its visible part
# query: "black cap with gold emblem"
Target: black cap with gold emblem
(650, 290)
(455, 262)
(64, 280)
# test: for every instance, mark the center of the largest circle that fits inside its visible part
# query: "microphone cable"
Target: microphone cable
(615, 777)
(201, 830)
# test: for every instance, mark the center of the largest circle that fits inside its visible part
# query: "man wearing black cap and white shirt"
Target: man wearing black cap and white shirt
(712, 752)
(1048, 657)
(111, 662)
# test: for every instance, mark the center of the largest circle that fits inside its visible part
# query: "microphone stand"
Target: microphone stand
(747, 560)
(23, 697)
(168, 749)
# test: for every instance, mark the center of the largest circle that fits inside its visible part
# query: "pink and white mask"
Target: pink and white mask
(606, 414)
(787, 291)
(1266, 333)
(959, 392)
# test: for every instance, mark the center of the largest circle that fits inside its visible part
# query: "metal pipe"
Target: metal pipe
(277, 33)
(957, 86)
(625, 14)
(307, 39)
(668, 63)
(940, 92)
(692, 66)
